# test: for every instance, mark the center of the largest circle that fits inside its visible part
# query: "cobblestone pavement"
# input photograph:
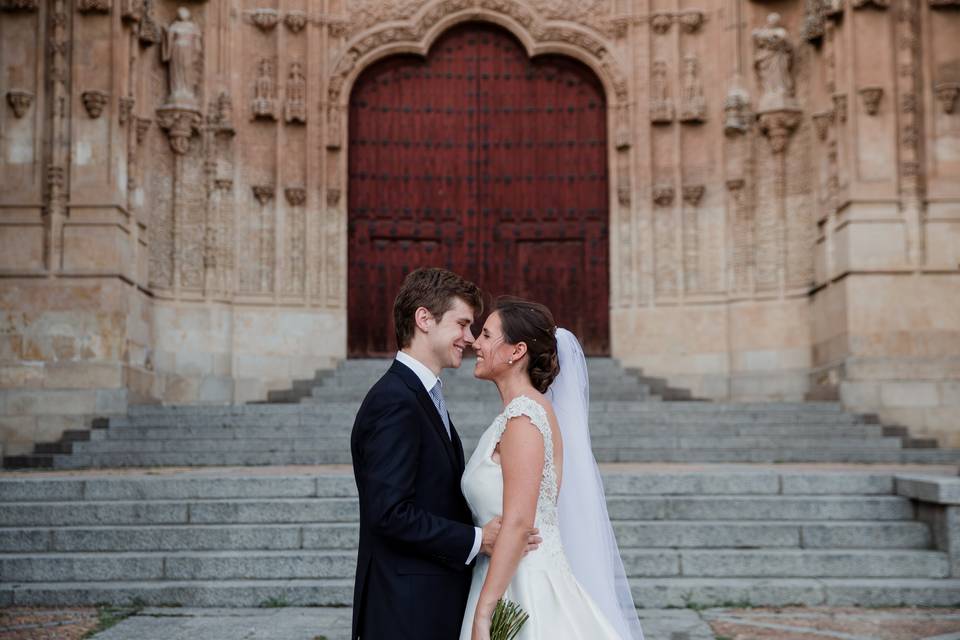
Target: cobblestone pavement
(294, 623)
(47, 624)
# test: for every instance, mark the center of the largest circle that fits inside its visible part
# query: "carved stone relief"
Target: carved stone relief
(131, 10)
(871, 99)
(295, 21)
(661, 106)
(693, 106)
(778, 126)
(148, 32)
(19, 5)
(93, 6)
(125, 109)
(295, 109)
(662, 194)
(19, 101)
(947, 93)
(334, 126)
(814, 21)
(264, 103)
(180, 125)
(221, 114)
(689, 21)
(736, 109)
(264, 19)
(263, 193)
(840, 106)
(821, 122)
(296, 196)
(942, 4)
(94, 101)
(333, 196)
(876, 4)
(693, 193)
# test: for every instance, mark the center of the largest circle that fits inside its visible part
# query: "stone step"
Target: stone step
(701, 408)
(208, 486)
(647, 534)
(274, 444)
(345, 417)
(596, 430)
(859, 454)
(647, 592)
(315, 510)
(327, 563)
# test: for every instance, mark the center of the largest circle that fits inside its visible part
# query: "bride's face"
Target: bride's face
(493, 353)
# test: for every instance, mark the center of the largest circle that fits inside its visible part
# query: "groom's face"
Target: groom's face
(451, 335)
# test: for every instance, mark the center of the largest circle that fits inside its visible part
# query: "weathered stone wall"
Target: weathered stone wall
(784, 194)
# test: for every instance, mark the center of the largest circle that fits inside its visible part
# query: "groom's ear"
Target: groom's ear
(423, 319)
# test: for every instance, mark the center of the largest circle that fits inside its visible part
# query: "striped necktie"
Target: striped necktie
(436, 394)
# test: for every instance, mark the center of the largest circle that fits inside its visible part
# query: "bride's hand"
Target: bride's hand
(481, 627)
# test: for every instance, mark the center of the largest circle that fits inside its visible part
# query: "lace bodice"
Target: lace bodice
(482, 482)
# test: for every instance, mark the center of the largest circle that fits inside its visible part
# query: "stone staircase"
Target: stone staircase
(630, 422)
(272, 537)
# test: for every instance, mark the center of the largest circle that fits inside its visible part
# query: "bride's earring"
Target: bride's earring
(510, 361)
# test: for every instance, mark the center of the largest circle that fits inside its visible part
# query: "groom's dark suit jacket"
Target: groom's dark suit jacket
(416, 530)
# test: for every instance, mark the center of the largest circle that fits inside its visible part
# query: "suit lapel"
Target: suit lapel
(457, 447)
(413, 382)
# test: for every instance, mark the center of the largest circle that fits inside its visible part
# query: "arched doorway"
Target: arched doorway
(482, 160)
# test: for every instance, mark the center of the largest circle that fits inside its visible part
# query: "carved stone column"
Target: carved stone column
(55, 209)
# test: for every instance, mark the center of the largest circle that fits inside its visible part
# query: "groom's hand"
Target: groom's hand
(491, 531)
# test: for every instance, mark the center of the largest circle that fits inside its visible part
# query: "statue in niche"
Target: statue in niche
(182, 50)
(693, 105)
(661, 108)
(264, 100)
(773, 62)
(295, 109)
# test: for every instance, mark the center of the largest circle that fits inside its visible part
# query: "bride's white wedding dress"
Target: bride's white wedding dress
(544, 584)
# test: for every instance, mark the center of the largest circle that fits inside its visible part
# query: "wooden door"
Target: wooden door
(486, 162)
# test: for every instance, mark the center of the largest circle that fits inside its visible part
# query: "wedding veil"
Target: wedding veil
(585, 528)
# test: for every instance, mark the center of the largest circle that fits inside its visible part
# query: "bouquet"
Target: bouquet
(508, 619)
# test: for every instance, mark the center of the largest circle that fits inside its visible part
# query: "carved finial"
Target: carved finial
(94, 101)
(871, 99)
(20, 101)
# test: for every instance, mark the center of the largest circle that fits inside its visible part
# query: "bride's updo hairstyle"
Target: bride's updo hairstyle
(531, 323)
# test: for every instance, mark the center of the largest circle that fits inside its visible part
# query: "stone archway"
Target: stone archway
(486, 161)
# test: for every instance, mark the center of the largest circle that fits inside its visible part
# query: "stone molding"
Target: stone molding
(947, 93)
(94, 6)
(296, 196)
(263, 193)
(19, 5)
(416, 34)
(871, 97)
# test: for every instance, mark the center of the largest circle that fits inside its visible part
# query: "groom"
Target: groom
(417, 539)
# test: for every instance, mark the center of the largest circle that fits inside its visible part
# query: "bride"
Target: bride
(535, 466)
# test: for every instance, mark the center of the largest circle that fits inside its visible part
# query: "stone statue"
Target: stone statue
(773, 62)
(182, 48)
(263, 104)
(693, 106)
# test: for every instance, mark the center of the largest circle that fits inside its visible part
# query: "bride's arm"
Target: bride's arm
(521, 462)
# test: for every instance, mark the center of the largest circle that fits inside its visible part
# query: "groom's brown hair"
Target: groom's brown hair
(435, 289)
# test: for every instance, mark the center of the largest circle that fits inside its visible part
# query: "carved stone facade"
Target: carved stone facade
(783, 211)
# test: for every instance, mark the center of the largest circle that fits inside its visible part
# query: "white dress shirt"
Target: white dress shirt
(428, 379)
